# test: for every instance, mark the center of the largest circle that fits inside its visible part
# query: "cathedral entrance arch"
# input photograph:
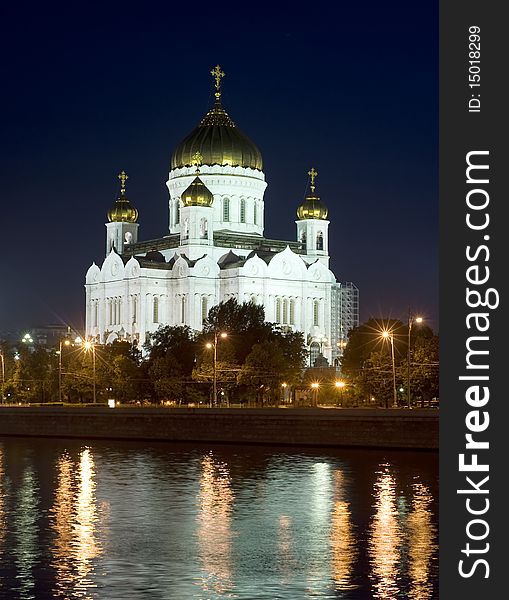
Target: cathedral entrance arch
(314, 353)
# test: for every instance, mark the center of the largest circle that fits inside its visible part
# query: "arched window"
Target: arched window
(95, 313)
(314, 353)
(135, 309)
(226, 209)
(204, 228)
(278, 310)
(119, 314)
(186, 229)
(285, 311)
(319, 241)
(183, 309)
(204, 308)
(110, 312)
(255, 213)
(155, 310)
(177, 212)
(316, 313)
(292, 312)
(242, 210)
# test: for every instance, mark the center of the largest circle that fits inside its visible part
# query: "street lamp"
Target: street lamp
(89, 346)
(387, 334)
(340, 385)
(214, 345)
(411, 321)
(66, 343)
(314, 386)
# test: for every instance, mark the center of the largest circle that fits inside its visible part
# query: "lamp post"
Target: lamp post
(90, 346)
(387, 334)
(411, 321)
(214, 346)
(66, 343)
(340, 385)
(314, 386)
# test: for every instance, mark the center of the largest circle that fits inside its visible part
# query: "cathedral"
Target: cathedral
(215, 249)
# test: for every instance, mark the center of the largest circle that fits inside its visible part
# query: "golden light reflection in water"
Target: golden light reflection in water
(342, 539)
(286, 557)
(421, 533)
(215, 502)
(75, 517)
(385, 538)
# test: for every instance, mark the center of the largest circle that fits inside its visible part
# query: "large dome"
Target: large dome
(219, 141)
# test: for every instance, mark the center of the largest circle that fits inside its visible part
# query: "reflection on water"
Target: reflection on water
(343, 541)
(386, 537)
(75, 517)
(123, 521)
(421, 535)
(214, 531)
(26, 551)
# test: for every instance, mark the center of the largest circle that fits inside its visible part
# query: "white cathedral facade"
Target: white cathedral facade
(215, 250)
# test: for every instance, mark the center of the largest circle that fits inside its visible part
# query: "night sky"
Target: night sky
(350, 91)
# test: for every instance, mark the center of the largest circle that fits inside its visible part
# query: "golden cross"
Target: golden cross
(123, 178)
(217, 74)
(197, 160)
(313, 174)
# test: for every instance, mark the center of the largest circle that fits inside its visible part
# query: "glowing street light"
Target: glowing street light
(210, 345)
(89, 346)
(411, 320)
(340, 385)
(314, 386)
(66, 343)
(388, 335)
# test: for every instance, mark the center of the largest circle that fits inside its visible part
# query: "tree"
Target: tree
(264, 370)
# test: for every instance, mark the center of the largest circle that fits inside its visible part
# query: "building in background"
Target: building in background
(215, 249)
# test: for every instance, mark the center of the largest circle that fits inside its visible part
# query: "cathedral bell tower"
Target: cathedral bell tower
(312, 224)
(197, 214)
(122, 227)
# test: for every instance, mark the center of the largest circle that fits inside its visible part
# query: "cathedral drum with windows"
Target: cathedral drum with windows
(216, 250)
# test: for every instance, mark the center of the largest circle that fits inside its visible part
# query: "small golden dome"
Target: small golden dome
(122, 210)
(217, 139)
(312, 207)
(197, 194)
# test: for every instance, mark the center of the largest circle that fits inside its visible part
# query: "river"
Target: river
(131, 520)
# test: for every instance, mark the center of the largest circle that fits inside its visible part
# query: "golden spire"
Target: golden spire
(313, 174)
(197, 161)
(217, 74)
(123, 178)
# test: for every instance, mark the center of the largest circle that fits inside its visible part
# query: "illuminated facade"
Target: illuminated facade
(216, 249)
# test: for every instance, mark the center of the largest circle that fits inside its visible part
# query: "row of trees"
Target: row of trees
(257, 362)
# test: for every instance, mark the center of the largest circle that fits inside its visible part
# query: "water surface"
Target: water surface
(115, 520)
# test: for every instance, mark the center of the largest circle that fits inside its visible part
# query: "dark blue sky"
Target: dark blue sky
(350, 91)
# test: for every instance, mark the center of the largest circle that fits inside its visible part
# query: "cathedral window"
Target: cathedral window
(292, 312)
(204, 308)
(242, 210)
(255, 213)
(319, 241)
(278, 310)
(110, 312)
(155, 310)
(119, 319)
(183, 309)
(204, 228)
(285, 311)
(303, 238)
(186, 229)
(135, 309)
(226, 209)
(316, 313)
(177, 212)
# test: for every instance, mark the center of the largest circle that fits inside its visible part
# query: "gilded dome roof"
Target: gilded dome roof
(197, 194)
(217, 139)
(312, 207)
(122, 210)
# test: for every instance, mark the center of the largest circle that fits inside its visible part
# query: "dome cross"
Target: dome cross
(313, 174)
(123, 178)
(197, 161)
(217, 74)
